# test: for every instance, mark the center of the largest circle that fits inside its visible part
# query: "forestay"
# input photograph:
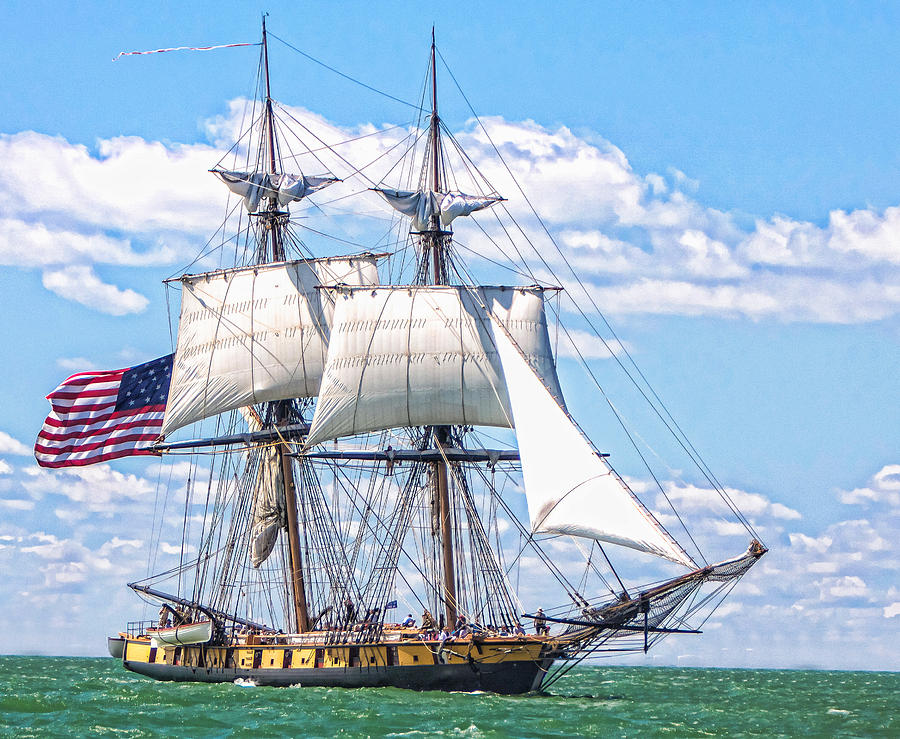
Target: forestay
(414, 356)
(255, 334)
(570, 489)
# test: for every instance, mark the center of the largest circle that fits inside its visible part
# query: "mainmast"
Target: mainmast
(435, 234)
(273, 222)
(433, 240)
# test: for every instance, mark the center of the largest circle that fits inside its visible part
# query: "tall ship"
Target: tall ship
(387, 482)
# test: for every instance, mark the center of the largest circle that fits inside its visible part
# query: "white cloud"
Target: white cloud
(848, 586)
(836, 582)
(861, 234)
(96, 488)
(68, 214)
(9, 445)
(17, 505)
(80, 284)
(36, 244)
(65, 562)
(642, 242)
(76, 364)
(818, 545)
(888, 477)
(704, 256)
(602, 254)
(643, 245)
(574, 343)
(167, 548)
(830, 299)
(690, 498)
(130, 184)
(884, 487)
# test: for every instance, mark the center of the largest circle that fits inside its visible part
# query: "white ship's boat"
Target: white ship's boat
(183, 635)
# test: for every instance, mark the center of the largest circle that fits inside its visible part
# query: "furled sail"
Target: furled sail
(268, 495)
(255, 334)
(254, 186)
(412, 356)
(569, 487)
(422, 205)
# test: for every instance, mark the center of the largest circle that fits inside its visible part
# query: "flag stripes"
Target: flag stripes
(98, 416)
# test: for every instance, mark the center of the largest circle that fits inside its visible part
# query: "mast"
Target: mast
(270, 219)
(435, 225)
(441, 433)
(272, 224)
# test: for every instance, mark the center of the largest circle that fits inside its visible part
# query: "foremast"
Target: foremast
(272, 224)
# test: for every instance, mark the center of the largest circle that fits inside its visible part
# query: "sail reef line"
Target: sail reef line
(423, 355)
(255, 334)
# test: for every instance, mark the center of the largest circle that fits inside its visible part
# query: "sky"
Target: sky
(724, 177)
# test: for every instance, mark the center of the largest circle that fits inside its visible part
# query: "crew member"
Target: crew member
(428, 623)
(350, 610)
(540, 623)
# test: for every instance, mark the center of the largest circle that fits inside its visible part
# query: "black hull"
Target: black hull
(507, 678)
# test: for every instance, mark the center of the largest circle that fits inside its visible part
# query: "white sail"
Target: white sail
(569, 487)
(412, 356)
(268, 496)
(422, 205)
(255, 334)
(254, 186)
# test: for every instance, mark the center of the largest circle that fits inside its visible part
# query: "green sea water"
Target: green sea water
(77, 697)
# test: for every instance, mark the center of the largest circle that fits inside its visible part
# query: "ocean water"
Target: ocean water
(78, 697)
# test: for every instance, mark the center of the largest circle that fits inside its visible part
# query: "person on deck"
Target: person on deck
(540, 624)
(462, 627)
(428, 623)
(519, 630)
(350, 610)
(409, 622)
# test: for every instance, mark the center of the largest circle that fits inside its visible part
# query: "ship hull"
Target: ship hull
(506, 678)
(507, 667)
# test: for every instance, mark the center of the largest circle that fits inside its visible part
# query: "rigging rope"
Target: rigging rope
(662, 414)
(341, 74)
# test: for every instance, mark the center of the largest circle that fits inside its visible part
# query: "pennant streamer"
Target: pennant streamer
(180, 48)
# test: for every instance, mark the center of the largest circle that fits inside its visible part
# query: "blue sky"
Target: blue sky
(734, 168)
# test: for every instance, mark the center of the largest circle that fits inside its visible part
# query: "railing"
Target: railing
(139, 628)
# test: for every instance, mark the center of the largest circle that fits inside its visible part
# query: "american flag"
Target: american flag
(97, 416)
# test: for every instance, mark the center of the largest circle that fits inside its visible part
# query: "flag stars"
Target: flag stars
(145, 385)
